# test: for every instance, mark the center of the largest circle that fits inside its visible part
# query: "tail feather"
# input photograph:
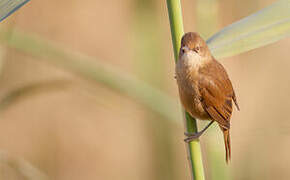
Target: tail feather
(235, 100)
(227, 144)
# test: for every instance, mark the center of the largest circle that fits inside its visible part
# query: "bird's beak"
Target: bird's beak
(185, 49)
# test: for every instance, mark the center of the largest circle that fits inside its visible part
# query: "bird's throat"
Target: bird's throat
(192, 61)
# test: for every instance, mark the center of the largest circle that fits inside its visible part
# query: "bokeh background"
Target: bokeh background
(70, 127)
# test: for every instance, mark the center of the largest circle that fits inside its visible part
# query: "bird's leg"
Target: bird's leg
(193, 136)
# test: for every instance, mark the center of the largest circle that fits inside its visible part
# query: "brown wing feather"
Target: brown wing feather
(211, 104)
(216, 96)
(217, 93)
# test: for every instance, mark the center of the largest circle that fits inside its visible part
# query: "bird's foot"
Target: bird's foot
(192, 136)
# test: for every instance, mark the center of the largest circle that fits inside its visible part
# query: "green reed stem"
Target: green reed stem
(194, 151)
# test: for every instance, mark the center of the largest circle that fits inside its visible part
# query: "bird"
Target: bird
(205, 89)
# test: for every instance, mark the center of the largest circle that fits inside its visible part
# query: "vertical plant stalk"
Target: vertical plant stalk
(194, 150)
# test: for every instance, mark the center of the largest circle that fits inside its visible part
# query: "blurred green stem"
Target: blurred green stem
(92, 69)
(176, 25)
(23, 167)
(31, 89)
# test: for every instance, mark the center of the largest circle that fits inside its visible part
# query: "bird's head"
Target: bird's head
(194, 48)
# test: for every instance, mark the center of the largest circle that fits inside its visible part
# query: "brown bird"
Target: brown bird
(205, 89)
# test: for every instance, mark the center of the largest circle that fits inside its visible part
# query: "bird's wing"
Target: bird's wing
(216, 94)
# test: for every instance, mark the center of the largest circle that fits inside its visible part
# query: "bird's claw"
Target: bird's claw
(188, 134)
(191, 136)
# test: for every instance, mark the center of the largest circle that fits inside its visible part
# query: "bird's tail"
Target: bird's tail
(227, 140)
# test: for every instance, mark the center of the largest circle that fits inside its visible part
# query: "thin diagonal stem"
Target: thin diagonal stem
(194, 151)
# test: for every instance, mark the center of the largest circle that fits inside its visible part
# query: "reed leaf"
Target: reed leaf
(93, 69)
(7, 7)
(21, 166)
(259, 29)
(32, 89)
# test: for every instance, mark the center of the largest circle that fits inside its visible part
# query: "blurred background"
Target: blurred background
(64, 114)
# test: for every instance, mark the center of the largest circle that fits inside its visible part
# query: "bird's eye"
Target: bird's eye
(182, 50)
(197, 48)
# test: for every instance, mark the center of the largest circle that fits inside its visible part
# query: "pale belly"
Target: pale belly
(187, 80)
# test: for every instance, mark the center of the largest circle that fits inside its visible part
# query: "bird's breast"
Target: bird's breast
(187, 80)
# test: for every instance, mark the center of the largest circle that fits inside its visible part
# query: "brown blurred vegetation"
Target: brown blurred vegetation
(83, 130)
